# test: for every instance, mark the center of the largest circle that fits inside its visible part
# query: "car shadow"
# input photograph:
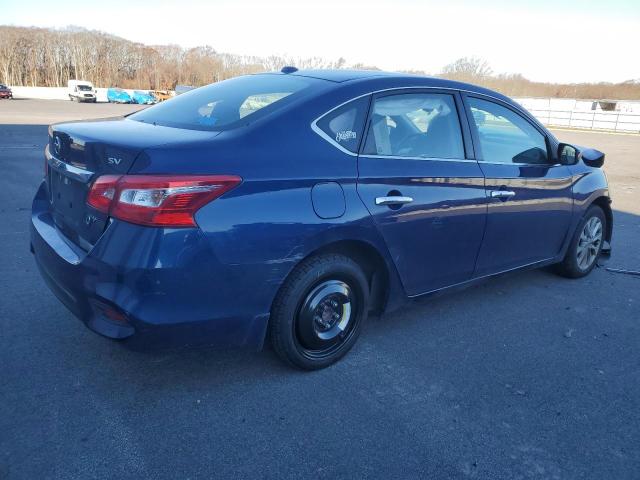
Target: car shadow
(432, 318)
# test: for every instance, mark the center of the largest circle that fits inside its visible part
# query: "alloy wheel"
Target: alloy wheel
(589, 243)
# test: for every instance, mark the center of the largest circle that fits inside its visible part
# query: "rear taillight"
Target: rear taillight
(157, 200)
(102, 192)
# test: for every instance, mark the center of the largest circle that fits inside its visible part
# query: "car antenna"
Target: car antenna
(289, 69)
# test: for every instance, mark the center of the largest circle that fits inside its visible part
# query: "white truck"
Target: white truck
(81, 91)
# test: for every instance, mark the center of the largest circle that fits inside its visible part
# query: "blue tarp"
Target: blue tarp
(143, 98)
(117, 95)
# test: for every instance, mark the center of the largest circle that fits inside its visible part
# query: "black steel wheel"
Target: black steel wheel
(319, 311)
(326, 317)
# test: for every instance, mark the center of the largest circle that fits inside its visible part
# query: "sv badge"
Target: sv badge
(114, 161)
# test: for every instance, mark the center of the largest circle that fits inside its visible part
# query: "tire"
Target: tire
(319, 311)
(586, 244)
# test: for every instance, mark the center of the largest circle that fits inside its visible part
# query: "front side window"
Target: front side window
(225, 104)
(506, 137)
(344, 125)
(422, 125)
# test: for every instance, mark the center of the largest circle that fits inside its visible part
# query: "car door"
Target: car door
(425, 191)
(529, 194)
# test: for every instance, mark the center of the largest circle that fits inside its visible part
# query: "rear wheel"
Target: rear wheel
(318, 313)
(585, 246)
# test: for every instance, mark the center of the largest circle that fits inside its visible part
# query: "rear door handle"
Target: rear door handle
(393, 200)
(502, 194)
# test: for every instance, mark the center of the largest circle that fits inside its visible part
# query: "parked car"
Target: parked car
(143, 98)
(118, 95)
(5, 91)
(81, 91)
(288, 206)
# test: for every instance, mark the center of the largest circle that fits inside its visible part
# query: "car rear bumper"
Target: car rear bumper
(150, 286)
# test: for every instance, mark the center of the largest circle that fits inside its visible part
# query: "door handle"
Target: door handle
(393, 200)
(502, 194)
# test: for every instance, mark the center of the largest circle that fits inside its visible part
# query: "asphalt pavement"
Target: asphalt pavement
(525, 376)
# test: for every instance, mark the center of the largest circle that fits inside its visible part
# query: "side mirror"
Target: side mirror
(567, 154)
(570, 154)
(592, 157)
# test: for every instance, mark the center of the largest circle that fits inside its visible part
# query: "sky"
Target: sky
(545, 40)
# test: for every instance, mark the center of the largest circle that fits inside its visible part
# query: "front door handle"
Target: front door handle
(502, 194)
(393, 200)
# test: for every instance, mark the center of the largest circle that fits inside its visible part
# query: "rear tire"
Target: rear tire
(586, 244)
(319, 311)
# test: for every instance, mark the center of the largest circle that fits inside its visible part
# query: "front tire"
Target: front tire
(319, 311)
(584, 250)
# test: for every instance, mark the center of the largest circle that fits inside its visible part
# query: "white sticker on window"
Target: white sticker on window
(345, 135)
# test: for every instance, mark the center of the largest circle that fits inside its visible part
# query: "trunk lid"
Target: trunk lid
(77, 153)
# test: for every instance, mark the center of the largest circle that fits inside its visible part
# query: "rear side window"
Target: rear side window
(419, 125)
(225, 105)
(506, 137)
(345, 125)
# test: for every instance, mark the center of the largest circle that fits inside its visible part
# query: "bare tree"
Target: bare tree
(467, 69)
(48, 57)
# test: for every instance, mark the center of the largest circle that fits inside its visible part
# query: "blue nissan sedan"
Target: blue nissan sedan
(290, 205)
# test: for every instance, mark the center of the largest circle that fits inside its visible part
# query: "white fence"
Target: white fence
(573, 113)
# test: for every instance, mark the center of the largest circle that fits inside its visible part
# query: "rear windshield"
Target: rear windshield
(225, 105)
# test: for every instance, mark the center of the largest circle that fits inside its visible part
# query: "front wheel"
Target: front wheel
(319, 311)
(585, 247)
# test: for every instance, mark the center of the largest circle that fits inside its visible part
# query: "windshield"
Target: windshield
(226, 104)
(84, 88)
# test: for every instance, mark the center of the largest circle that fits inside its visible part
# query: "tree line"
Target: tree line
(32, 56)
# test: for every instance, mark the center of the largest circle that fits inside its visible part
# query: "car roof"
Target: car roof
(394, 79)
(344, 75)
